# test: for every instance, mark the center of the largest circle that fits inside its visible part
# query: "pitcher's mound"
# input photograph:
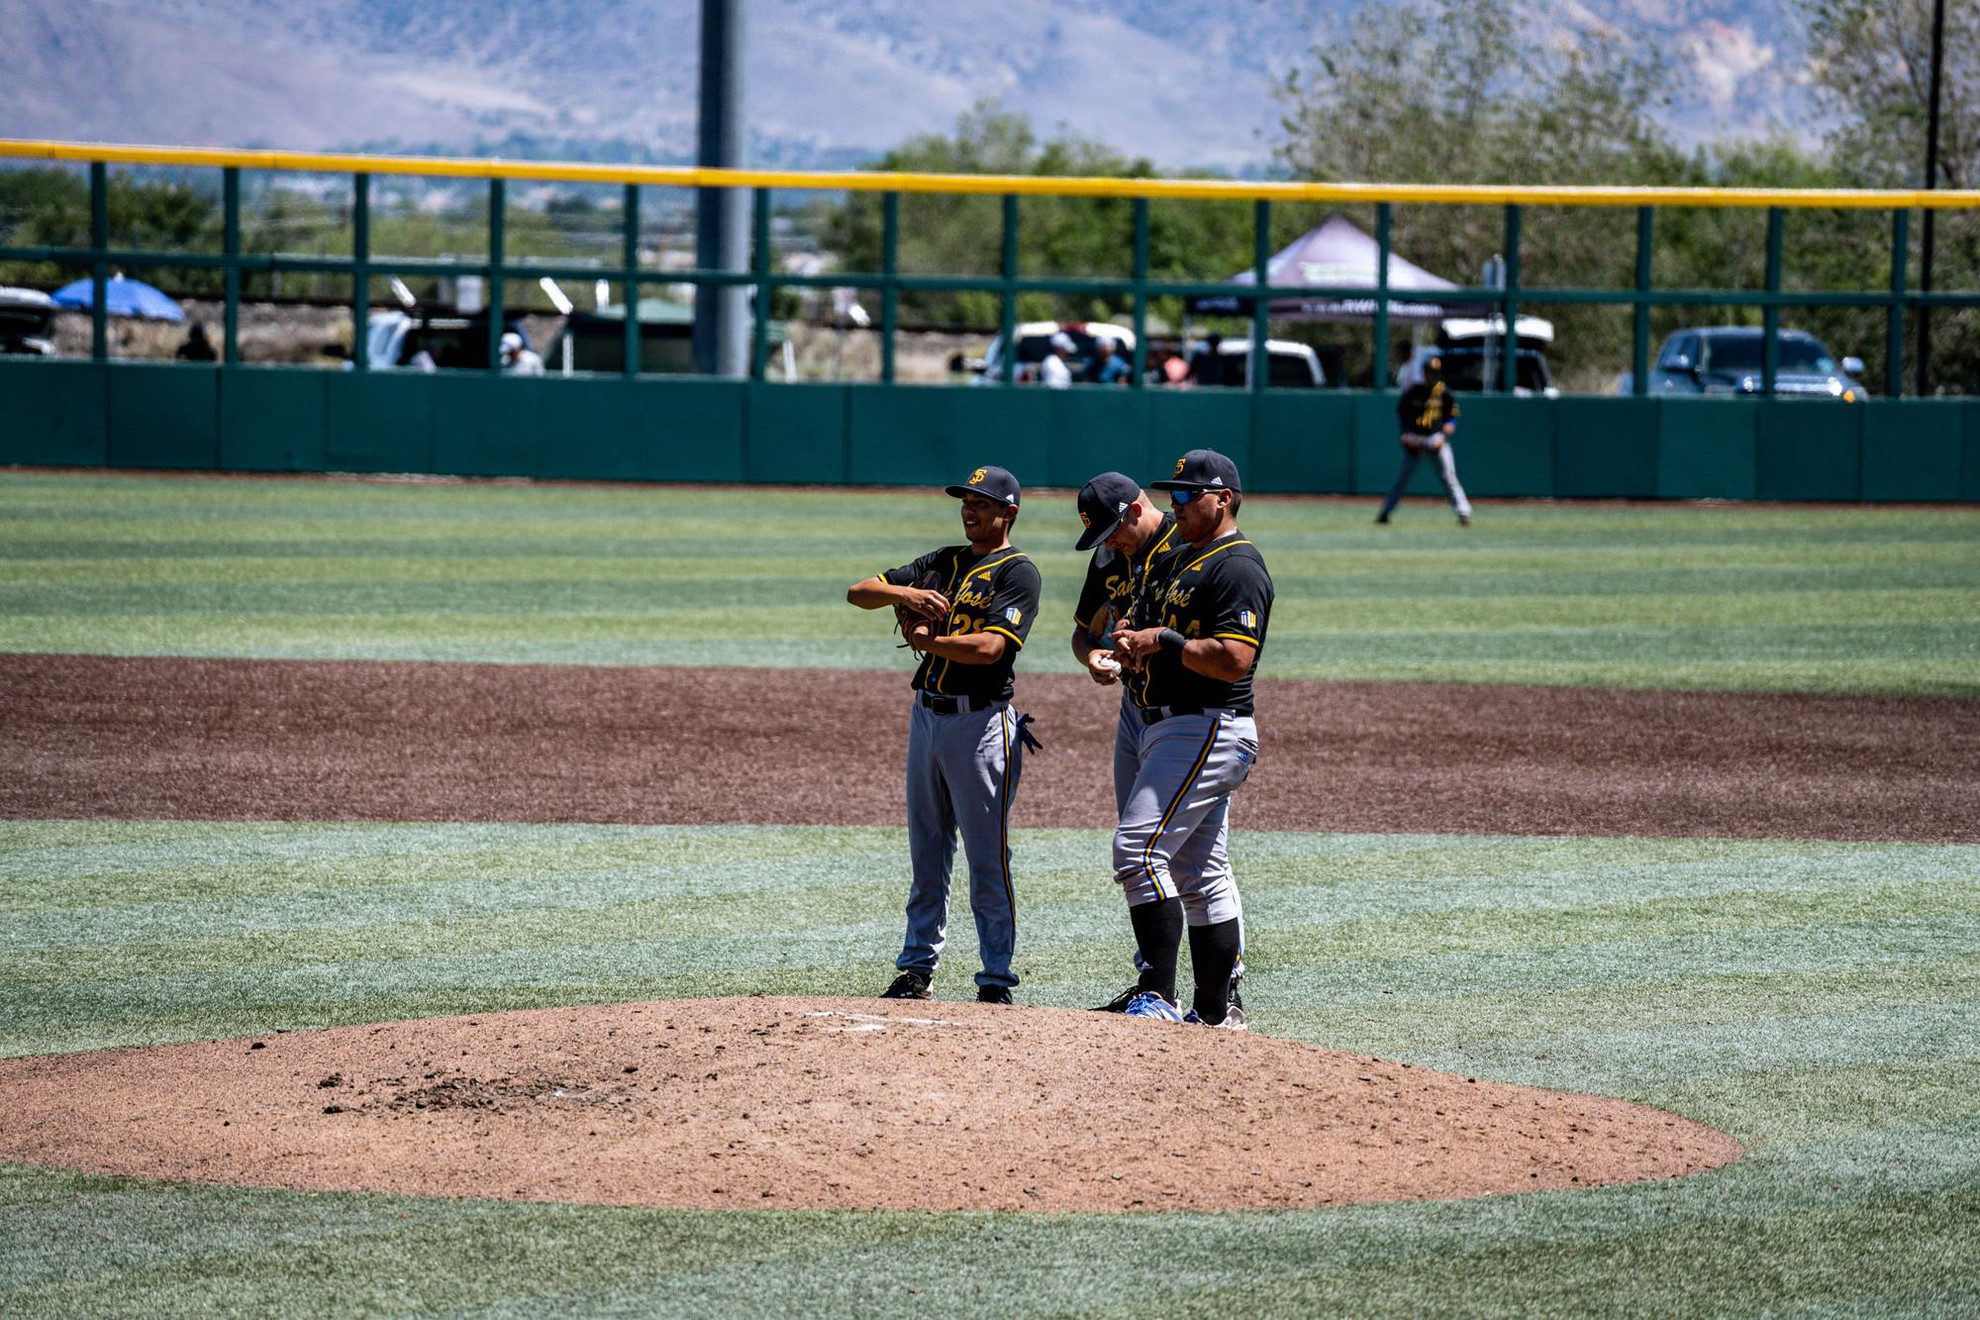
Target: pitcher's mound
(826, 1103)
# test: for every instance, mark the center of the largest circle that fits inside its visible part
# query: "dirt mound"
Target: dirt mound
(826, 1103)
(195, 739)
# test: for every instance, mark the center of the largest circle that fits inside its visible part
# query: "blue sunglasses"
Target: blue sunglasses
(1185, 496)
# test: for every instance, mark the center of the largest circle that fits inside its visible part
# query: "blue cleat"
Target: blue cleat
(1148, 1004)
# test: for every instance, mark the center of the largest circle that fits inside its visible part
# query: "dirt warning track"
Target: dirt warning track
(139, 738)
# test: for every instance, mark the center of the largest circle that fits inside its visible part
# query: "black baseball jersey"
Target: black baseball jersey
(1114, 581)
(997, 592)
(1216, 590)
(1424, 408)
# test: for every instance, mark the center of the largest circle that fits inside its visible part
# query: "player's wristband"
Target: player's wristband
(1171, 640)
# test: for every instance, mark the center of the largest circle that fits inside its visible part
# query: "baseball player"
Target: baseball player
(967, 610)
(1211, 605)
(1428, 417)
(1132, 542)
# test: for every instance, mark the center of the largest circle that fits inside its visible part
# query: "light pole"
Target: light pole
(1931, 181)
(721, 312)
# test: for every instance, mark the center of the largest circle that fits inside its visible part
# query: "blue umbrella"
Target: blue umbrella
(122, 297)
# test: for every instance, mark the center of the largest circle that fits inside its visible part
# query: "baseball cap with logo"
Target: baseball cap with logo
(1201, 469)
(1103, 502)
(994, 482)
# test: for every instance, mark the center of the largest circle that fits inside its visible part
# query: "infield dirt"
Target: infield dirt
(205, 739)
(789, 1103)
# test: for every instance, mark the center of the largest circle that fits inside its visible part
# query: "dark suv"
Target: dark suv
(1727, 360)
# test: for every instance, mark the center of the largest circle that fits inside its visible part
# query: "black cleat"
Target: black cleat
(1119, 1003)
(993, 994)
(908, 985)
(1381, 517)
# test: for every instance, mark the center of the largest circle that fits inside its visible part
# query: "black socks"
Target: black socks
(1214, 952)
(1158, 928)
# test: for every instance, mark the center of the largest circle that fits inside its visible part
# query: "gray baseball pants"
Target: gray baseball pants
(1176, 817)
(1446, 473)
(962, 775)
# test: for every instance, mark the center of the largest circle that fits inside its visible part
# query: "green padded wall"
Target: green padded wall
(1911, 449)
(1706, 448)
(691, 430)
(1605, 448)
(797, 433)
(1809, 449)
(275, 419)
(164, 416)
(905, 434)
(591, 429)
(54, 412)
(1505, 446)
(272, 419)
(1093, 430)
(378, 421)
(483, 432)
(1304, 442)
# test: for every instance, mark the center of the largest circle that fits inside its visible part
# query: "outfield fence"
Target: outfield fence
(639, 426)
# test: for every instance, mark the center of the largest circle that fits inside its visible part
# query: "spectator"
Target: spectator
(196, 348)
(1106, 368)
(518, 359)
(1206, 367)
(1054, 371)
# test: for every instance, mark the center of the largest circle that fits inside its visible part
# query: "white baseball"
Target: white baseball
(1106, 664)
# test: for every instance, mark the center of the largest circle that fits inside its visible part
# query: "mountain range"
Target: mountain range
(1186, 83)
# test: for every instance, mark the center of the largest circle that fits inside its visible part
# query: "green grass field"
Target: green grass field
(1820, 1001)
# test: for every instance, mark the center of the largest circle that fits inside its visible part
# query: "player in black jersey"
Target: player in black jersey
(967, 610)
(1212, 604)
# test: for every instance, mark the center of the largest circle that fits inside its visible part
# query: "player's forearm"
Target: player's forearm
(967, 648)
(875, 593)
(1219, 658)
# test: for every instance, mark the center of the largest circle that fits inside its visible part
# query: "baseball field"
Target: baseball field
(1586, 808)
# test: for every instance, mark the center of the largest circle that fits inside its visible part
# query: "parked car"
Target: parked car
(1034, 341)
(456, 341)
(1471, 347)
(1727, 360)
(27, 322)
(595, 341)
(1290, 365)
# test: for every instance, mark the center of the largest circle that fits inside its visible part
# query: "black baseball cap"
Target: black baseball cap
(992, 481)
(1202, 469)
(1103, 502)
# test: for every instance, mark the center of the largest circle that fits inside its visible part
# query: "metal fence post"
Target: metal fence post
(1378, 374)
(1509, 305)
(1136, 377)
(631, 332)
(1770, 317)
(1894, 315)
(360, 272)
(1007, 291)
(99, 264)
(1639, 348)
(230, 245)
(1259, 365)
(760, 267)
(498, 206)
(890, 292)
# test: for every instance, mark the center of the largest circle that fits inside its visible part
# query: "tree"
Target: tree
(1074, 236)
(1872, 62)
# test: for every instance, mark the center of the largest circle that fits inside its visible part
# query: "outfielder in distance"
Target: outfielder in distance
(1427, 415)
(1133, 543)
(967, 610)
(1197, 744)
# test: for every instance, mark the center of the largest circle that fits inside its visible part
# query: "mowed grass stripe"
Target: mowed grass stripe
(1832, 600)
